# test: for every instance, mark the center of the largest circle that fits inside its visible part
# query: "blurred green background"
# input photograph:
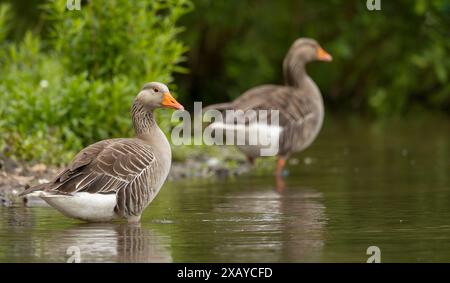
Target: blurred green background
(67, 78)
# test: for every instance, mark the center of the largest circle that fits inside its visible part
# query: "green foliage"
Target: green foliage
(385, 62)
(65, 91)
(4, 11)
(111, 38)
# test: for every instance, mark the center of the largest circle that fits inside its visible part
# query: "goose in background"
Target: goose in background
(116, 178)
(299, 101)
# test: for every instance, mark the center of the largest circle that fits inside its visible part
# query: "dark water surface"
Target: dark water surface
(360, 184)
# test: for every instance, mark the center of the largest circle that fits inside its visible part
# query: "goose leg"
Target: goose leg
(281, 162)
(280, 183)
(250, 160)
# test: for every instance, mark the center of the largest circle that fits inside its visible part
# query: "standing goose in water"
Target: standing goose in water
(299, 101)
(116, 178)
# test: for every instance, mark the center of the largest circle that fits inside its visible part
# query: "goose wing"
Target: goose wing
(125, 167)
(297, 113)
(292, 104)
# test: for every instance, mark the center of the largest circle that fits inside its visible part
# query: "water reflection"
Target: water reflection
(280, 184)
(42, 235)
(107, 243)
(272, 226)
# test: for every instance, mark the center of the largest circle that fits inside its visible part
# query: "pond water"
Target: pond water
(360, 184)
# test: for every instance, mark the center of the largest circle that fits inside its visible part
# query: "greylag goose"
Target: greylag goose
(299, 101)
(116, 178)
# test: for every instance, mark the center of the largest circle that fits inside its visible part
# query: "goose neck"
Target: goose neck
(294, 73)
(143, 120)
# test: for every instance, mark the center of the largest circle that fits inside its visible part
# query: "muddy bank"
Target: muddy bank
(16, 176)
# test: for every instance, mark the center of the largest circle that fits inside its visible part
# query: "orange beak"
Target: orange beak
(170, 102)
(322, 55)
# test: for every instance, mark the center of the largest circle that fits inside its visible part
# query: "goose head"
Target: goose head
(307, 50)
(157, 95)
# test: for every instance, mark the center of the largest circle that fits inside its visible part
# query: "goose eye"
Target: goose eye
(155, 90)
